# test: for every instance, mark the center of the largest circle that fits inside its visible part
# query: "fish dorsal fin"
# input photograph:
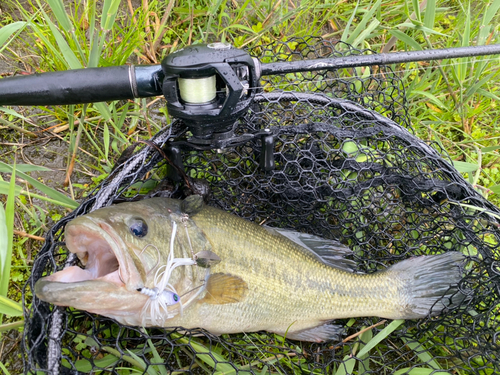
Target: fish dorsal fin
(329, 252)
(224, 288)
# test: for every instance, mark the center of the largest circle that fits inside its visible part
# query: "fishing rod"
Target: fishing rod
(207, 86)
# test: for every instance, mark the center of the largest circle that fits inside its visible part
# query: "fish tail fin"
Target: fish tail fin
(430, 284)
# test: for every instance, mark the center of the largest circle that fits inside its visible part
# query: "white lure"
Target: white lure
(164, 293)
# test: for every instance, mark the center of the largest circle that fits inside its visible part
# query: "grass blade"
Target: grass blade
(364, 364)
(495, 189)
(424, 355)
(103, 110)
(25, 168)
(479, 209)
(348, 363)
(68, 54)
(7, 221)
(4, 369)
(416, 9)
(464, 167)
(488, 94)
(14, 325)
(65, 24)
(348, 25)
(462, 66)
(10, 307)
(366, 33)
(489, 149)
(6, 246)
(430, 14)
(417, 371)
(139, 362)
(62, 18)
(485, 28)
(52, 193)
(207, 356)
(157, 358)
(8, 30)
(93, 60)
(5, 189)
(431, 97)
(11, 112)
(473, 89)
(362, 25)
(406, 39)
(381, 336)
(4, 243)
(109, 10)
(41, 35)
(106, 141)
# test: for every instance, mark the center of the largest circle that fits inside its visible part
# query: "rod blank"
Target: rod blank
(377, 59)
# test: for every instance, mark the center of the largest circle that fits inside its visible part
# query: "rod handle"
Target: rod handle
(80, 86)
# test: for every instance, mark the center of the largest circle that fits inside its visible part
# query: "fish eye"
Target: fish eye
(176, 297)
(138, 227)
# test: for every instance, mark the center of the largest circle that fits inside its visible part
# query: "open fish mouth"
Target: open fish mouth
(99, 250)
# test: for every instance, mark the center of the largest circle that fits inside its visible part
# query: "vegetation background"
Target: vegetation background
(50, 157)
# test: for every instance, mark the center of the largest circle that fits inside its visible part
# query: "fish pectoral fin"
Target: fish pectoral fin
(224, 288)
(325, 332)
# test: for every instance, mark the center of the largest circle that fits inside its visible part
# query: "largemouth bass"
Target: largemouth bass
(164, 262)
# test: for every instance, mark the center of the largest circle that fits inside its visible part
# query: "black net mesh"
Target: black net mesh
(342, 171)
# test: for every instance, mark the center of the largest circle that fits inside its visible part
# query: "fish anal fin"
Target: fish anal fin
(224, 288)
(322, 333)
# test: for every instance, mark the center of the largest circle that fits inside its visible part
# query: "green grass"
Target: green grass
(454, 102)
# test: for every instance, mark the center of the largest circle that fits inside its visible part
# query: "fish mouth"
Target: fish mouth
(99, 249)
(106, 284)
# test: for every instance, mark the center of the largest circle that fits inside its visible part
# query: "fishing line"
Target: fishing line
(184, 220)
(197, 90)
(192, 290)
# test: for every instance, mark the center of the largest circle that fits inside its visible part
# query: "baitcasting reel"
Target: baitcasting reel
(208, 87)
